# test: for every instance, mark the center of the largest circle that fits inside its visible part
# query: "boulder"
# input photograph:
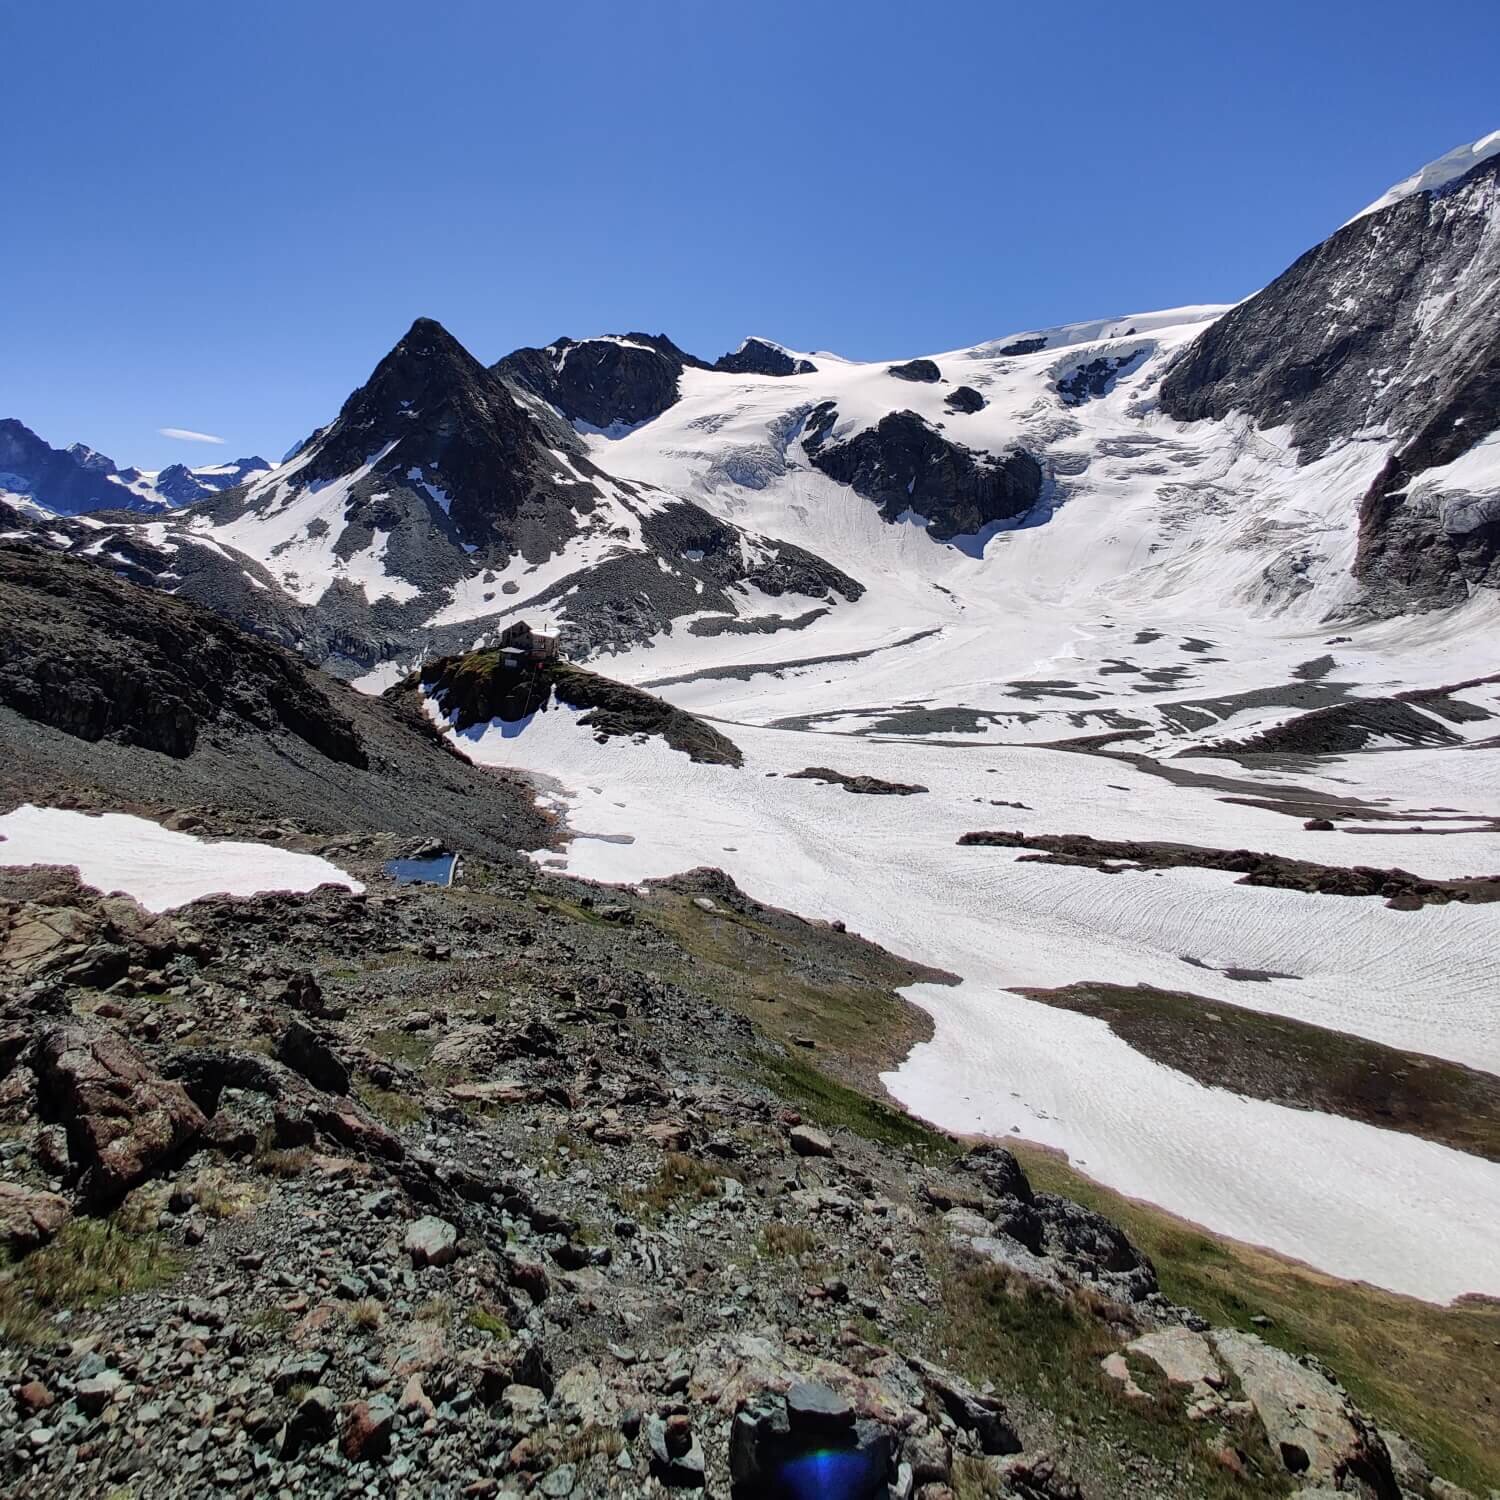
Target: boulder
(1321, 1436)
(311, 1424)
(431, 1242)
(806, 1141)
(676, 1454)
(123, 1121)
(1092, 1247)
(29, 1218)
(367, 1430)
(1184, 1357)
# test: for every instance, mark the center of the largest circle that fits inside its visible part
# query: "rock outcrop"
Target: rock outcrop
(123, 1121)
(907, 468)
(761, 357)
(1413, 285)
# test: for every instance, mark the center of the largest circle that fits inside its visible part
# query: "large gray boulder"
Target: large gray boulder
(1321, 1436)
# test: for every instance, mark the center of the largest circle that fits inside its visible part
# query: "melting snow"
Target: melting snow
(116, 852)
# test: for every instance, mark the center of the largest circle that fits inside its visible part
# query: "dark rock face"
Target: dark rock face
(1413, 289)
(1024, 346)
(869, 785)
(69, 481)
(628, 598)
(306, 1052)
(903, 464)
(921, 370)
(441, 422)
(757, 357)
(603, 381)
(155, 672)
(1345, 728)
(1095, 377)
(964, 398)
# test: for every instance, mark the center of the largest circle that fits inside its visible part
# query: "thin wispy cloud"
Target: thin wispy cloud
(187, 435)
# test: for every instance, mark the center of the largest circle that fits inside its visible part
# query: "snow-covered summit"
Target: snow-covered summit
(1437, 174)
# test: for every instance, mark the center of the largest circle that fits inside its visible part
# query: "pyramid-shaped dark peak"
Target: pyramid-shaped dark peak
(428, 346)
(428, 383)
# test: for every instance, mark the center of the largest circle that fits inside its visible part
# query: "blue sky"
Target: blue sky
(218, 217)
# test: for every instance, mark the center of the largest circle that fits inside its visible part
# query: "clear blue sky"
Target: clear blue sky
(218, 216)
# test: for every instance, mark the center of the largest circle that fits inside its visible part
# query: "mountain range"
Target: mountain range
(983, 984)
(1325, 449)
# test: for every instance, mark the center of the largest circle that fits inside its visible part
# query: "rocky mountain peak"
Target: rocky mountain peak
(763, 357)
(1387, 330)
(614, 380)
(89, 458)
(428, 404)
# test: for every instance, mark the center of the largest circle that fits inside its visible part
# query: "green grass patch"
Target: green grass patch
(794, 979)
(410, 1048)
(787, 1240)
(395, 1109)
(489, 1322)
(835, 1105)
(680, 1177)
(89, 1263)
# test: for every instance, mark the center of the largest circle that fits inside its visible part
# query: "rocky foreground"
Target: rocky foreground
(493, 1190)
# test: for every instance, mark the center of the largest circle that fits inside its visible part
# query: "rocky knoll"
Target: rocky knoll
(761, 357)
(905, 465)
(483, 686)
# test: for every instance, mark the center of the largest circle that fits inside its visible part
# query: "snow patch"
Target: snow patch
(120, 853)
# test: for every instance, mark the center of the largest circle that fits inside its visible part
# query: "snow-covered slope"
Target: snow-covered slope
(1437, 174)
(1190, 576)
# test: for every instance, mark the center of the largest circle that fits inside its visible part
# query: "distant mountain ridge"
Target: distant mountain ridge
(77, 479)
(1327, 447)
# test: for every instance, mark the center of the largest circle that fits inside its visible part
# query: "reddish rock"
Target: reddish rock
(123, 1120)
(367, 1431)
(29, 1218)
(34, 1397)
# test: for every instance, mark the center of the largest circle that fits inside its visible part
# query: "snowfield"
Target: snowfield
(119, 854)
(1302, 1183)
(1181, 584)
